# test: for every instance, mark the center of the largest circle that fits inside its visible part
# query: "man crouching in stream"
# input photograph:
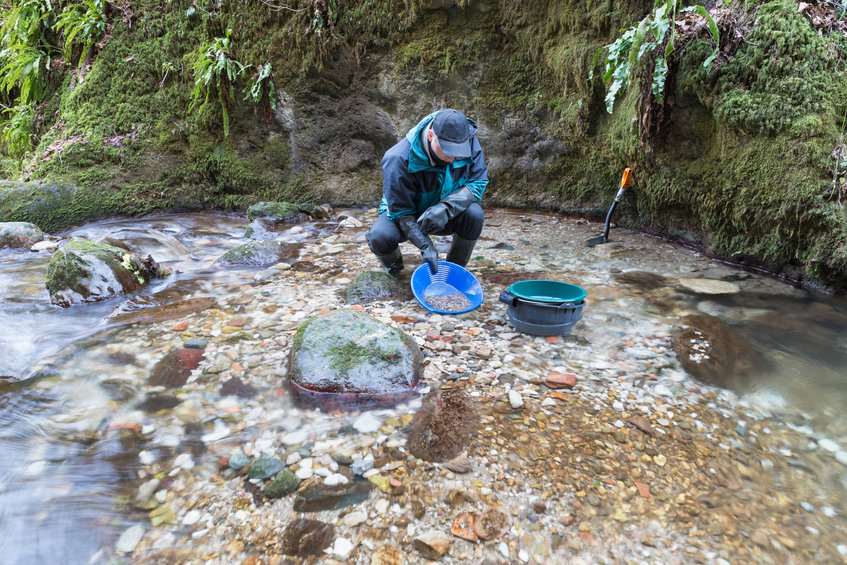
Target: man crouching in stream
(432, 181)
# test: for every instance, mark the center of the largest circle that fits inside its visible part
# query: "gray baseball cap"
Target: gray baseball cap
(453, 132)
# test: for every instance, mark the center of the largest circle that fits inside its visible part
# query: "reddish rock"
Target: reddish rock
(173, 369)
(643, 489)
(642, 424)
(463, 527)
(560, 380)
(492, 524)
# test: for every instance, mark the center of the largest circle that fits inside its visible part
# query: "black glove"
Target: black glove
(436, 217)
(419, 239)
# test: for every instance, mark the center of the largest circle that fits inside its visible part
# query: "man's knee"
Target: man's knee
(383, 237)
(471, 222)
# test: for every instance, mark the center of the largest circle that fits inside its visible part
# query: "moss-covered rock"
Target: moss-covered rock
(19, 234)
(347, 359)
(284, 483)
(85, 271)
(373, 285)
(284, 212)
(260, 253)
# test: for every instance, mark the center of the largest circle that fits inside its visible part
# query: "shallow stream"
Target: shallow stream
(73, 379)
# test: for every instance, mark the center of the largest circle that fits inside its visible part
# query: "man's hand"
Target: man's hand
(412, 230)
(436, 217)
(433, 219)
(430, 255)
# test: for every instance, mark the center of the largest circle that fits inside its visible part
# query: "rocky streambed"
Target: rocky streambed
(596, 446)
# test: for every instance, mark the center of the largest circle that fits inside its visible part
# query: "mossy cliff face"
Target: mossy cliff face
(742, 167)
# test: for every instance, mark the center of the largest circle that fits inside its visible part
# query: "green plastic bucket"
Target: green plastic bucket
(547, 291)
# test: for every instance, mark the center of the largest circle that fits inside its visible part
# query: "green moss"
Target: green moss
(349, 355)
(783, 75)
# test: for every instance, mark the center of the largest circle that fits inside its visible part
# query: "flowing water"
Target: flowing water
(66, 474)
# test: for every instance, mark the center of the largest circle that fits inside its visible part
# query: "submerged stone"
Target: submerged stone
(235, 387)
(173, 370)
(304, 537)
(314, 496)
(373, 285)
(265, 467)
(442, 428)
(275, 211)
(238, 460)
(641, 279)
(346, 360)
(715, 353)
(85, 271)
(284, 483)
(261, 253)
(19, 234)
(155, 402)
(166, 312)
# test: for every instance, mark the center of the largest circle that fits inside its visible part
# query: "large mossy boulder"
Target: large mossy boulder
(262, 253)
(19, 234)
(346, 360)
(86, 271)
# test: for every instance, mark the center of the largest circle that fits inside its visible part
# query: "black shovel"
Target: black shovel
(626, 179)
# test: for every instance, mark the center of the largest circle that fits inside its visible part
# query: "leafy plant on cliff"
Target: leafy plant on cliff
(655, 37)
(262, 93)
(216, 72)
(82, 24)
(24, 60)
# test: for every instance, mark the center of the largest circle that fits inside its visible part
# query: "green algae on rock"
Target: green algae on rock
(346, 359)
(261, 253)
(85, 271)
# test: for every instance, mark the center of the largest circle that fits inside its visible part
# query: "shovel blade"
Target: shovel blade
(596, 241)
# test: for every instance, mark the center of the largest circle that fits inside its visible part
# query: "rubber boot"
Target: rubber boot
(461, 250)
(393, 262)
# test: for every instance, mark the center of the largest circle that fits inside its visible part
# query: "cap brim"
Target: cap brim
(457, 150)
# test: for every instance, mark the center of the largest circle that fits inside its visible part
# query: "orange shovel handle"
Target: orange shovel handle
(626, 179)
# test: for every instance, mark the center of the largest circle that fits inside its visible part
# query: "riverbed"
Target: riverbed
(636, 462)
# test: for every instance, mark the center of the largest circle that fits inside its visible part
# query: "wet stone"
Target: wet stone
(314, 496)
(173, 370)
(235, 387)
(166, 312)
(195, 343)
(238, 460)
(155, 402)
(118, 389)
(432, 544)
(715, 353)
(442, 428)
(306, 537)
(374, 285)
(284, 483)
(641, 279)
(262, 253)
(491, 524)
(345, 360)
(265, 467)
